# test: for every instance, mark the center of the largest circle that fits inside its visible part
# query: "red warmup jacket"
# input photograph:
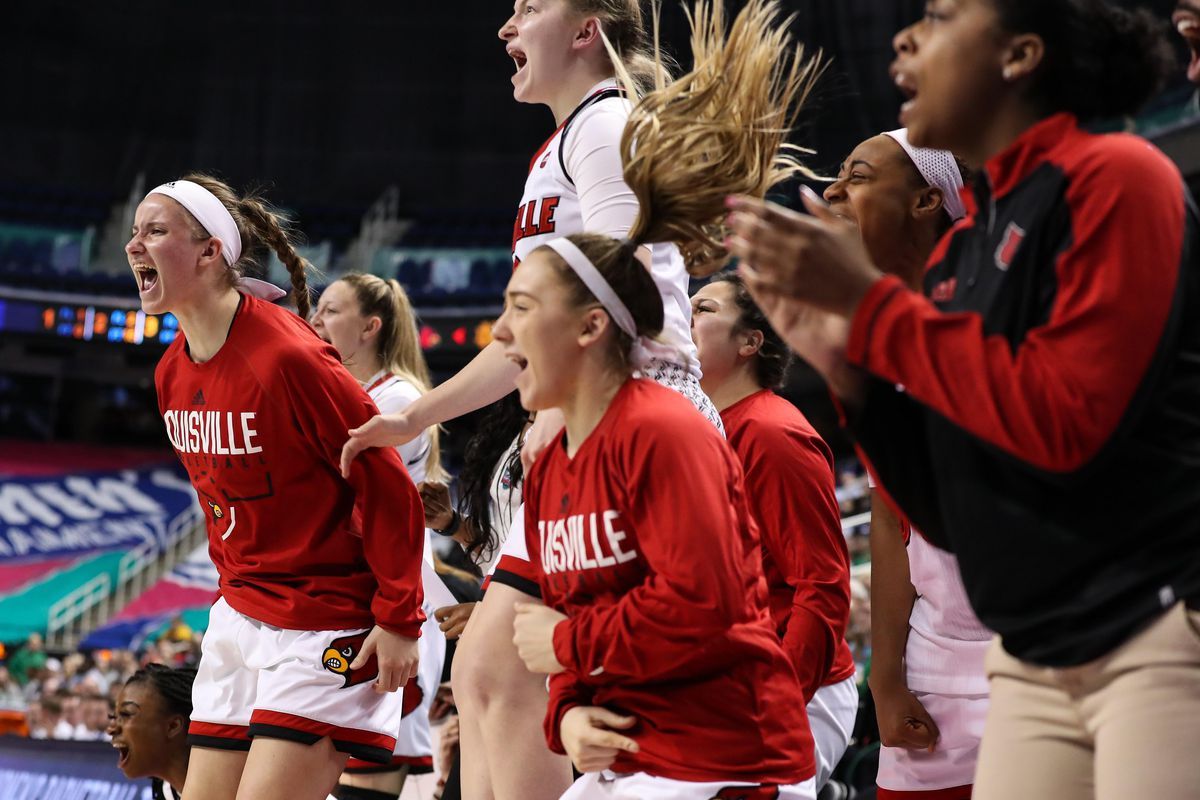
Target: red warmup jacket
(790, 490)
(260, 428)
(644, 541)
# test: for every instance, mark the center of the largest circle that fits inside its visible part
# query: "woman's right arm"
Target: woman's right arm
(485, 380)
(903, 721)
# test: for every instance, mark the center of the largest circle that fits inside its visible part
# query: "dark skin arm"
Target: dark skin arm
(903, 721)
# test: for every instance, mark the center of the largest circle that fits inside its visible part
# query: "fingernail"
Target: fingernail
(731, 201)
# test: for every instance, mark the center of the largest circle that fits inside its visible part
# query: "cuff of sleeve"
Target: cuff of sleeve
(408, 627)
(863, 324)
(554, 725)
(564, 649)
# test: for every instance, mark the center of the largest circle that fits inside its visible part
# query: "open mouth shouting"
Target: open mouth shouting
(122, 753)
(147, 277)
(907, 86)
(519, 60)
(1186, 20)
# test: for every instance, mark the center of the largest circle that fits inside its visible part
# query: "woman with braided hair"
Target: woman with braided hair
(149, 727)
(320, 575)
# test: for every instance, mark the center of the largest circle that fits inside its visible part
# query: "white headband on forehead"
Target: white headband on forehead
(639, 355)
(938, 168)
(216, 219)
(209, 212)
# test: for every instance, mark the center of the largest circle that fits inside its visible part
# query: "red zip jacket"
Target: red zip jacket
(644, 541)
(790, 490)
(1039, 413)
(259, 428)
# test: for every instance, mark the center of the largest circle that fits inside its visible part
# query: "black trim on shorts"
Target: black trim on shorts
(218, 742)
(518, 582)
(413, 769)
(365, 752)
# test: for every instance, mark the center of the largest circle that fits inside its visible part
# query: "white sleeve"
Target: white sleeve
(397, 397)
(592, 153)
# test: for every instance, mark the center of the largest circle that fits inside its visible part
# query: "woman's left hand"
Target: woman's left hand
(533, 634)
(819, 259)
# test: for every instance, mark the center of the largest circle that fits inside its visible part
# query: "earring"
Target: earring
(1007, 73)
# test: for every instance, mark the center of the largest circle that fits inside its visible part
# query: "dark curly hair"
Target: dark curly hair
(501, 424)
(774, 358)
(173, 685)
(1100, 60)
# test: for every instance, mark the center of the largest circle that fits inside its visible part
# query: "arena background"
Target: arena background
(390, 132)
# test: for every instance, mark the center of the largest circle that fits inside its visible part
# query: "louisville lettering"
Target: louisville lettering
(583, 541)
(218, 433)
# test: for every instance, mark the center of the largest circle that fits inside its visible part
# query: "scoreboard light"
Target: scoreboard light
(86, 322)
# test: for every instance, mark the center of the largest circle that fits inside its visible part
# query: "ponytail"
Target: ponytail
(398, 344)
(721, 129)
(260, 226)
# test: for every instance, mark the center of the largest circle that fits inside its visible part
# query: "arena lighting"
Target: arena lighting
(429, 338)
(89, 322)
(86, 322)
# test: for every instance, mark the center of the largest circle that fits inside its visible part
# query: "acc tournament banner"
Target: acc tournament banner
(57, 532)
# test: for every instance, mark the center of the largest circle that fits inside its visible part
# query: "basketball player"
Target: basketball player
(789, 475)
(149, 728)
(667, 679)
(575, 184)
(319, 614)
(927, 646)
(1034, 413)
(370, 322)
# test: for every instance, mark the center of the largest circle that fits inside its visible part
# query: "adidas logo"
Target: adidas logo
(198, 400)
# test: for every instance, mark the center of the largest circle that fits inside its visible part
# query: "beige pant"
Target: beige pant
(1122, 727)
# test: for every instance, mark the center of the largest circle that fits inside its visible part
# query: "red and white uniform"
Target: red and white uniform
(644, 541)
(576, 184)
(791, 492)
(414, 742)
(259, 428)
(943, 663)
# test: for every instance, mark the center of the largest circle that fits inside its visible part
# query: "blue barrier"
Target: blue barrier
(34, 769)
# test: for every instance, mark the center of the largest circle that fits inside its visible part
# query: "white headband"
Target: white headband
(215, 218)
(209, 212)
(938, 168)
(594, 281)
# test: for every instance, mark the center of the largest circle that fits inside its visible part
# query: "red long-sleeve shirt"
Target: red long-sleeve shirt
(259, 428)
(790, 491)
(644, 541)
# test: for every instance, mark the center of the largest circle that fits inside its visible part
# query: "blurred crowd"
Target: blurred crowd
(46, 696)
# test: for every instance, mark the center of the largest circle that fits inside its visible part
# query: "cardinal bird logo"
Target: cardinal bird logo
(215, 509)
(340, 654)
(747, 793)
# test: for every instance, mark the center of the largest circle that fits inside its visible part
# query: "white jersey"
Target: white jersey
(946, 641)
(392, 394)
(414, 744)
(575, 185)
(505, 502)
